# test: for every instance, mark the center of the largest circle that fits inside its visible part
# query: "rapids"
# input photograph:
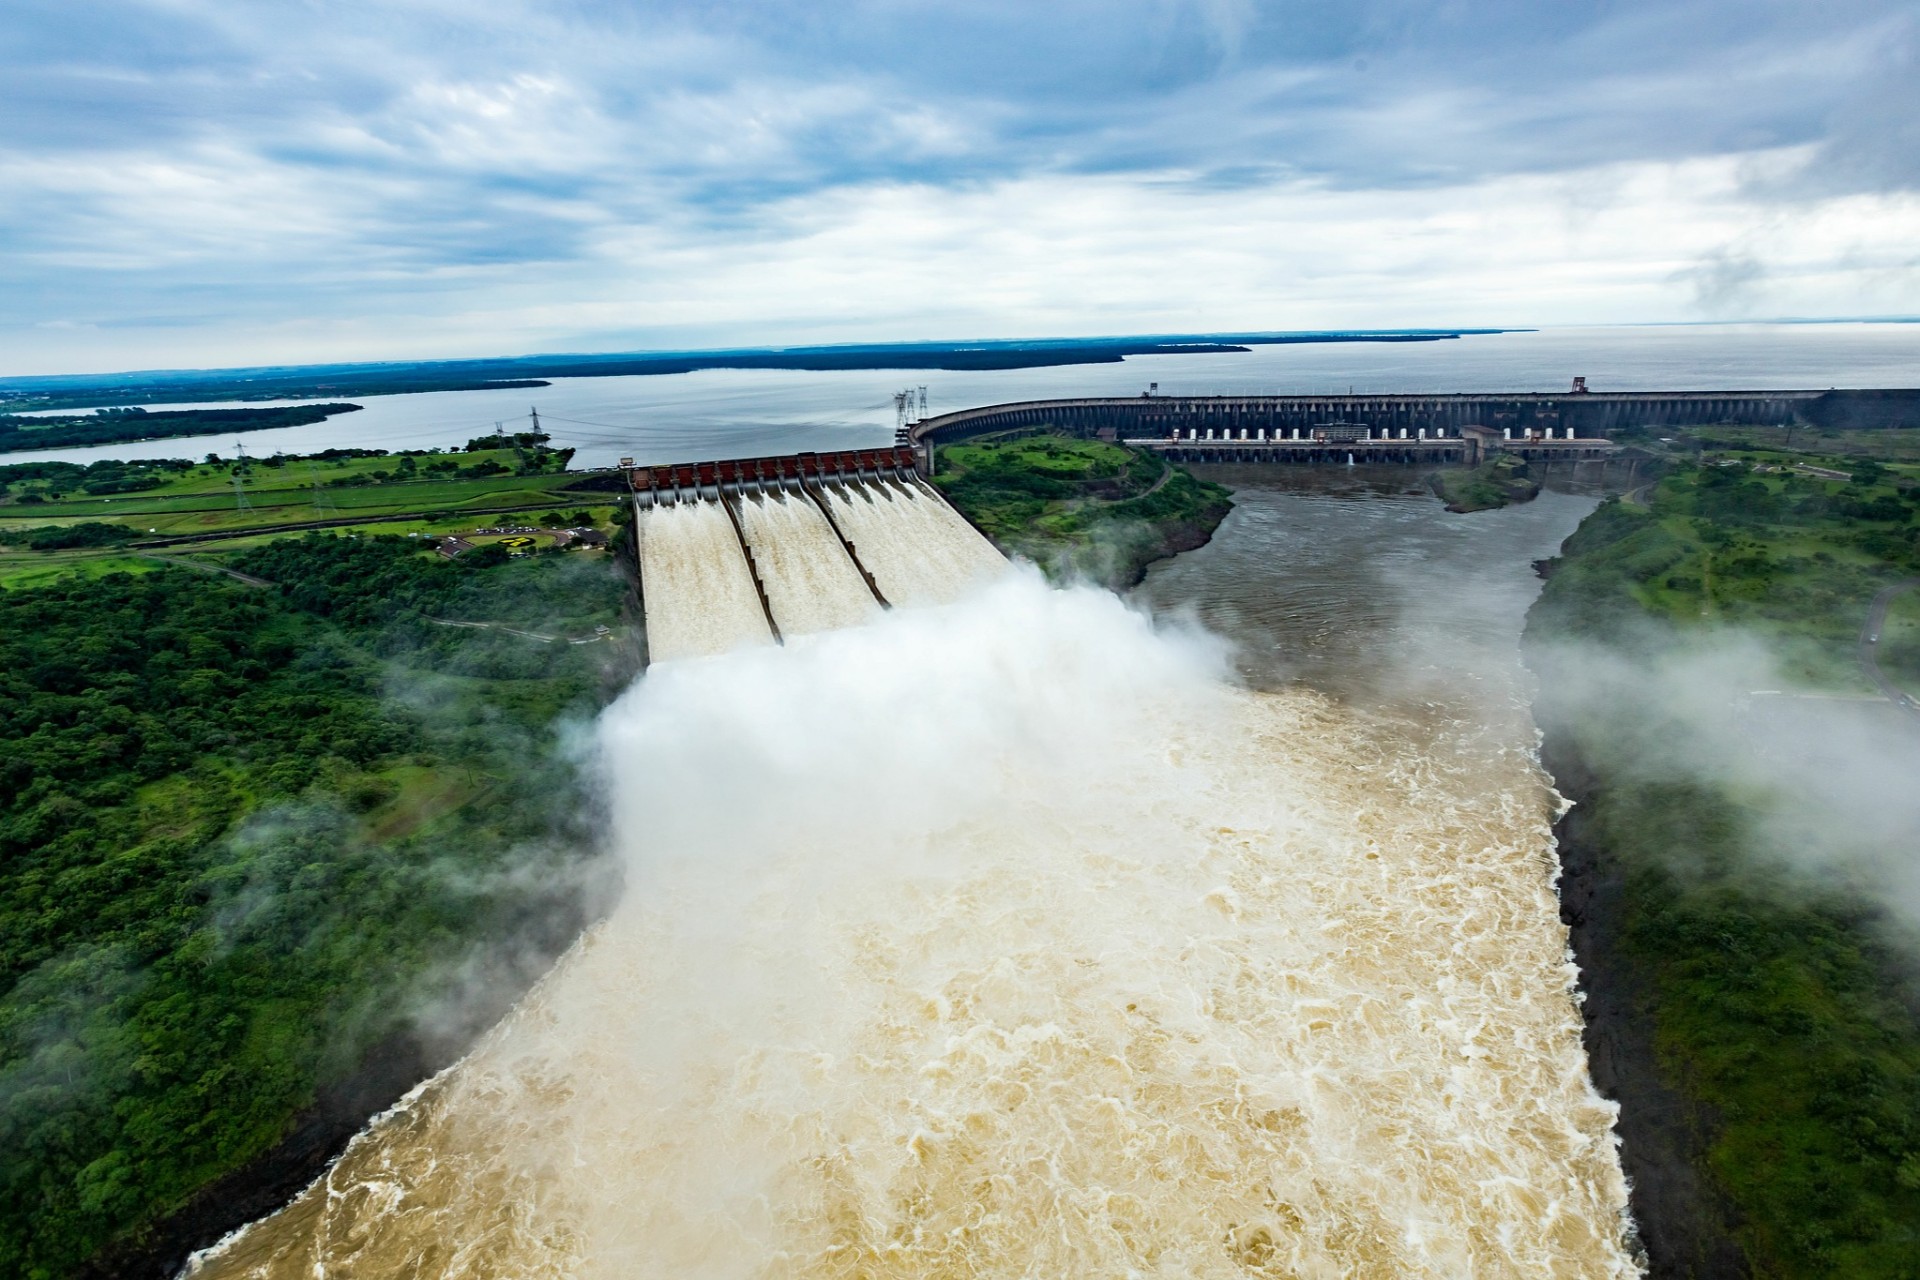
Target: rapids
(1016, 937)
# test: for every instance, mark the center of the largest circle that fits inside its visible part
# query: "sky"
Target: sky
(198, 183)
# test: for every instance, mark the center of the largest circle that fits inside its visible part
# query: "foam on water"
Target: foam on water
(811, 583)
(1010, 938)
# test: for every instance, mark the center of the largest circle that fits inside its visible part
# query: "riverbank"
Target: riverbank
(1729, 865)
(1080, 508)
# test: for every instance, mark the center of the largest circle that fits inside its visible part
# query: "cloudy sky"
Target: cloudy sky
(219, 182)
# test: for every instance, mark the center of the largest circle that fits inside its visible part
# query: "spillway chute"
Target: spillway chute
(700, 596)
(818, 542)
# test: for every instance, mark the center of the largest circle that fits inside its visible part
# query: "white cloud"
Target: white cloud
(290, 181)
(1059, 254)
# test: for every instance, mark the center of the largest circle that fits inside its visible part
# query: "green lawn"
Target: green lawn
(196, 499)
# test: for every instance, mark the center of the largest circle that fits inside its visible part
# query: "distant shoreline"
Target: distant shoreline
(333, 381)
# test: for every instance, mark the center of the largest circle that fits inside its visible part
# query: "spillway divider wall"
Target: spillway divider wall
(753, 568)
(853, 553)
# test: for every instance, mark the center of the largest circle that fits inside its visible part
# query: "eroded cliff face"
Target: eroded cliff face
(1684, 1223)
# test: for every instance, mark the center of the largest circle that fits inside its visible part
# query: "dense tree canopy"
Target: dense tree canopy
(231, 860)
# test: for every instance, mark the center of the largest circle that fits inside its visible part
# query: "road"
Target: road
(203, 567)
(1870, 647)
(340, 522)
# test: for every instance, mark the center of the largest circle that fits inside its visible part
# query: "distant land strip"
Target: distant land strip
(293, 382)
(18, 434)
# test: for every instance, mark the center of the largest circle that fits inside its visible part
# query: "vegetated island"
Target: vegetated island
(1077, 507)
(1759, 1026)
(132, 425)
(1498, 482)
(75, 391)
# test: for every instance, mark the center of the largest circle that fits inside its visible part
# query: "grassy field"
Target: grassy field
(1080, 507)
(1808, 444)
(424, 495)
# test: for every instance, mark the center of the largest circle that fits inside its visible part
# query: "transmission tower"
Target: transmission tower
(923, 404)
(240, 502)
(535, 415)
(322, 504)
(900, 399)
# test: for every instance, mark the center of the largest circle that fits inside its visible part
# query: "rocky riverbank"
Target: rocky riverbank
(1682, 1219)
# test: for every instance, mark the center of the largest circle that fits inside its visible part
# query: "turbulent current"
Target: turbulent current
(1017, 937)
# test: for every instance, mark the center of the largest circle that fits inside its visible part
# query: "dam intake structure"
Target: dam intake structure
(746, 552)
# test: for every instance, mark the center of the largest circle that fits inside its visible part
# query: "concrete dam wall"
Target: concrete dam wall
(760, 551)
(1552, 416)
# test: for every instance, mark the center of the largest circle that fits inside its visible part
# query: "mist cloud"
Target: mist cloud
(1823, 781)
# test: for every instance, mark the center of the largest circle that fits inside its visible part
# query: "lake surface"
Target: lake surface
(720, 413)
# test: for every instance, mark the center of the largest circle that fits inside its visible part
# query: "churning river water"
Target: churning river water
(1037, 934)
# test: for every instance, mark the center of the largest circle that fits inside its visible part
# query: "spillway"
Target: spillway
(700, 597)
(811, 583)
(766, 548)
(917, 547)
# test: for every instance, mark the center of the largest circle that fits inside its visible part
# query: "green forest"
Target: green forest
(1782, 1005)
(250, 835)
(1078, 507)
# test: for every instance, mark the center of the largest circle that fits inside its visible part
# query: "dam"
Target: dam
(1571, 426)
(748, 552)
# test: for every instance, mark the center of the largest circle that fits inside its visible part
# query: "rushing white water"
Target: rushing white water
(699, 594)
(811, 583)
(1010, 938)
(917, 547)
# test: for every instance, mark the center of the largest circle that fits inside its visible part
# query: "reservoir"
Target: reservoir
(728, 413)
(1034, 932)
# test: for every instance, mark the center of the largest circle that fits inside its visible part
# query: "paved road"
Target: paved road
(1870, 647)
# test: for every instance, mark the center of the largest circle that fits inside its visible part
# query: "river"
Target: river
(724, 413)
(1037, 935)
